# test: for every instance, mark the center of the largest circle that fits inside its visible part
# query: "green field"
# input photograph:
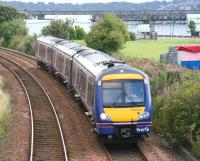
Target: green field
(152, 48)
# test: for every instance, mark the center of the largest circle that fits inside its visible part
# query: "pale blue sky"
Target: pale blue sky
(83, 1)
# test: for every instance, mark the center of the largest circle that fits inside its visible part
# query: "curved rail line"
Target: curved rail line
(47, 141)
(28, 59)
(17, 52)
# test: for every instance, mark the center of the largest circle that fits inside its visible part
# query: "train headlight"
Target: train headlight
(145, 115)
(105, 117)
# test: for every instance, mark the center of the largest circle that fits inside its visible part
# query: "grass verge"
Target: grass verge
(4, 107)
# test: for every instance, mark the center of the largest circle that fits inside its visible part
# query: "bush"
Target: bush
(1, 41)
(12, 28)
(72, 33)
(80, 33)
(108, 34)
(177, 113)
(25, 44)
(132, 36)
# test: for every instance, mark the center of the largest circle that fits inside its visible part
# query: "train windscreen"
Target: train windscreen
(123, 93)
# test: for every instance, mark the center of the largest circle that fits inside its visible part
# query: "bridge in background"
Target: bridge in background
(134, 15)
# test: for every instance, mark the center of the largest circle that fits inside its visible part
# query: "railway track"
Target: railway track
(28, 58)
(114, 152)
(47, 141)
(128, 152)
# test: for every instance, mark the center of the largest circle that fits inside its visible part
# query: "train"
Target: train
(115, 95)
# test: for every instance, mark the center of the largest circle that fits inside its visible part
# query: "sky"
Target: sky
(82, 1)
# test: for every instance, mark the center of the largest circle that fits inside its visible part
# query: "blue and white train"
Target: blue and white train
(116, 96)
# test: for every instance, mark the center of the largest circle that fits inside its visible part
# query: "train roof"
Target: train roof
(50, 40)
(92, 60)
(96, 61)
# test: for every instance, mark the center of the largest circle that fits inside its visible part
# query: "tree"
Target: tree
(60, 28)
(72, 33)
(80, 33)
(192, 27)
(12, 28)
(108, 34)
(8, 13)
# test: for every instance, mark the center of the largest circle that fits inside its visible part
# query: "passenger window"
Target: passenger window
(42, 50)
(67, 68)
(54, 58)
(78, 78)
(83, 83)
(60, 62)
(74, 74)
(49, 54)
(90, 94)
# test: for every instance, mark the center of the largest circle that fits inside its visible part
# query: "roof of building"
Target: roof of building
(189, 48)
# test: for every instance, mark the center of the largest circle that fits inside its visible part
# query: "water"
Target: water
(35, 26)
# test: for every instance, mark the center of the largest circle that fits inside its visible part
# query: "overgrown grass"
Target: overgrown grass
(151, 48)
(4, 107)
(25, 44)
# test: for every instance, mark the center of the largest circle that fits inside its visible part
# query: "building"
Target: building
(187, 56)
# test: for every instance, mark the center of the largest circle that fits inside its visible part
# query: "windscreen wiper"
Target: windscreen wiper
(115, 102)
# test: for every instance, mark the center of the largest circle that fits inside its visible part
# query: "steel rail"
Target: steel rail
(32, 122)
(30, 107)
(18, 53)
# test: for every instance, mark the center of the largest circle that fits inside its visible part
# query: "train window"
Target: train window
(67, 67)
(90, 94)
(123, 93)
(54, 58)
(49, 54)
(78, 78)
(42, 50)
(112, 92)
(74, 74)
(83, 82)
(60, 62)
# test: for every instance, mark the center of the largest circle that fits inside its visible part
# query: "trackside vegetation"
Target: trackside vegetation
(177, 112)
(176, 104)
(12, 28)
(23, 43)
(4, 107)
(13, 31)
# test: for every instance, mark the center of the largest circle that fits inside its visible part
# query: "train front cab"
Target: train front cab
(123, 106)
